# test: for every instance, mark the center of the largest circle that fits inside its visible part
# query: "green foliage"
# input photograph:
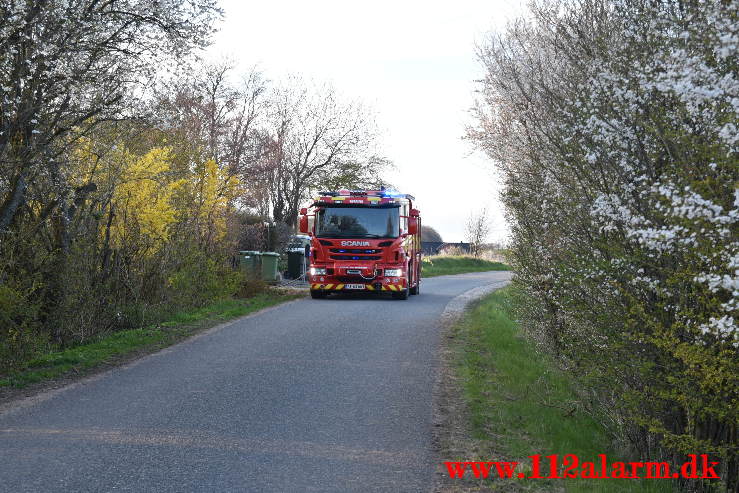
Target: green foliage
(251, 286)
(147, 234)
(199, 279)
(520, 403)
(619, 163)
(18, 332)
(83, 357)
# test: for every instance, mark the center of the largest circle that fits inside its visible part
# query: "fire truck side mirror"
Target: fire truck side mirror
(415, 213)
(303, 222)
(412, 225)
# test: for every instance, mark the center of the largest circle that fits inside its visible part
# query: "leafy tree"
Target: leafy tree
(67, 66)
(74, 76)
(614, 126)
(429, 234)
(128, 178)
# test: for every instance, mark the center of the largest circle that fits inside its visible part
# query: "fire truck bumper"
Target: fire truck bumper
(377, 284)
(357, 277)
(355, 287)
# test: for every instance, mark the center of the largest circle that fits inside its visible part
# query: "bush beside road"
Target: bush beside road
(517, 403)
(623, 208)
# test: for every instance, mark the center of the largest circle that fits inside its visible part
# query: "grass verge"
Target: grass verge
(445, 265)
(119, 346)
(519, 404)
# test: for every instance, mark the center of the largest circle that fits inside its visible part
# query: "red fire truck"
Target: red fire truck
(363, 241)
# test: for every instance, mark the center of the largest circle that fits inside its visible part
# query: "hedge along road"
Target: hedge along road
(313, 395)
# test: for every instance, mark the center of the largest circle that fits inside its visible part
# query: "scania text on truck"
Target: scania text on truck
(363, 241)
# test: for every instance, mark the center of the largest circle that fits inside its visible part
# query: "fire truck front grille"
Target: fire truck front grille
(350, 279)
(355, 257)
(355, 250)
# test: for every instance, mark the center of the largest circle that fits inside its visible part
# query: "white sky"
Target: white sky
(412, 62)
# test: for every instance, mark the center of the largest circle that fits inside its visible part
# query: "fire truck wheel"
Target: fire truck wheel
(316, 294)
(403, 295)
(416, 289)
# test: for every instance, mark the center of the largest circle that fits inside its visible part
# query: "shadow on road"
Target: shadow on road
(361, 296)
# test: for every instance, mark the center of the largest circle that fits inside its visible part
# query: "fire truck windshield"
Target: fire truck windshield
(357, 222)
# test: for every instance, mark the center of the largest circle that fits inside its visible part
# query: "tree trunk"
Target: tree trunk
(13, 202)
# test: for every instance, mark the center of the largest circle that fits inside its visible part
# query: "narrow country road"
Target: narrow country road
(314, 395)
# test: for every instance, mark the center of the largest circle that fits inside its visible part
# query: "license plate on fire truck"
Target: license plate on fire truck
(354, 286)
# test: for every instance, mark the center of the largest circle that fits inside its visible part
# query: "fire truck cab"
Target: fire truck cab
(363, 241)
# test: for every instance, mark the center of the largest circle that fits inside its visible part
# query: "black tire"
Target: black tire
(402, 295)
(316, 294)
(417, 288)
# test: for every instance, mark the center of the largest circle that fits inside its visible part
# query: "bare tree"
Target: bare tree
(477, 230)
(314, 138)
(283, 142)
(217, 115)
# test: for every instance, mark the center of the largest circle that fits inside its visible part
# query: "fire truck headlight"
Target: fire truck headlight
(393, 272)
(317, 271)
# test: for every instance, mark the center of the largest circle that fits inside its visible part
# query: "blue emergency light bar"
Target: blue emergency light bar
(389, 193)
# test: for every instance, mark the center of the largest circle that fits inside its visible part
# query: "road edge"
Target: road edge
(447, 401)
(50, 389)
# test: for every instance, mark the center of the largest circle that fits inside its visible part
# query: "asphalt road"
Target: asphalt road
(313, 395)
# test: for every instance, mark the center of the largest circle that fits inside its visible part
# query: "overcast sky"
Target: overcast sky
(412, 62)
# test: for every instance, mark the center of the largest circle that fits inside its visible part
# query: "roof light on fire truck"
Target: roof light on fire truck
(393, 193)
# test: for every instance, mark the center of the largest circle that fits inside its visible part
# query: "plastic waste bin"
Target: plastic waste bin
(249, 262)
(269, 265)
(295, 263)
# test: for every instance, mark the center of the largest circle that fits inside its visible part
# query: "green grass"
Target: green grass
(520, 404)
(443, 265)
(118, 345)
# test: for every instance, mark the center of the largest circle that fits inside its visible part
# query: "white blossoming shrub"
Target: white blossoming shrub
(614, 124)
